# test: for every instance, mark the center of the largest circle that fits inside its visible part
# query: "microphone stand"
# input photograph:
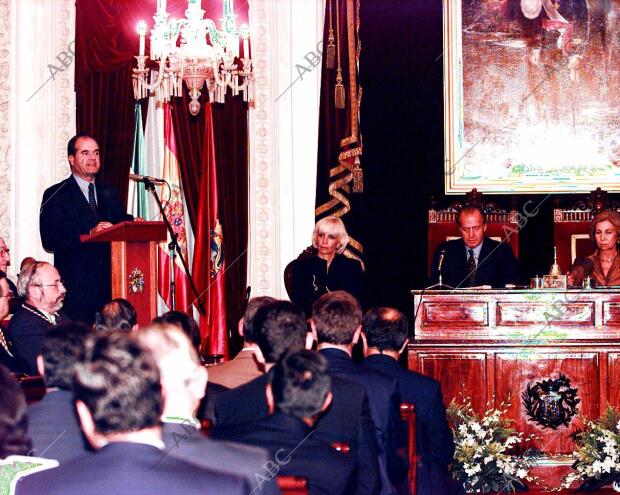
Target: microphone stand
(174, 248)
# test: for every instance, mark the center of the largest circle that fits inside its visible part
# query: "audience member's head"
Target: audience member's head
(184, 322)
(63, 347)
(14, 438)
(41, 285)
(183, 378)
(28, 260)
(117, 389)
(336, 317)
(246, 324)
(279, 327)
(385, 330)
(118, 314)
(5, 296)
(300, 385)
(5, 256)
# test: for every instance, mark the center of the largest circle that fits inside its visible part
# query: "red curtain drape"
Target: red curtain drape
(106, 42)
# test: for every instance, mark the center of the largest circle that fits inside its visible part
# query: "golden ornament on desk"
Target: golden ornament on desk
(555, 279)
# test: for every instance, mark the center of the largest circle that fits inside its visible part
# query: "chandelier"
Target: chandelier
(183, 53)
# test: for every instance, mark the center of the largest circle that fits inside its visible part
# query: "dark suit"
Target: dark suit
(497, 265)
(27, 329)
(384, 403)
(85, 268)
(347, 420)
(124, 467)
(434, 442)
(188, 443)
(54, 427)
(295, 451)
(311, 279)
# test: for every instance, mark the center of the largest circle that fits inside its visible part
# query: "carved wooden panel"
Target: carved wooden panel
(459, 373)
(514, 371)
(449, 313)
(528, 313)
(611, 313)
(613, 378)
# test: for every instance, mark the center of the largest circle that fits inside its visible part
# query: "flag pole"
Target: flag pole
(174, 247)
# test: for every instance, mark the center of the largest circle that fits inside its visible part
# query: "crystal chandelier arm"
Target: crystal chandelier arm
(160, 76)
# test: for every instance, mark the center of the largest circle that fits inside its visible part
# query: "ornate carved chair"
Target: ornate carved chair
(571, 226)
(501, 224)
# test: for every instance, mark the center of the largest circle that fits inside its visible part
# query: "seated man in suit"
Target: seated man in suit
(54, 426)
(119, 402)
(474, 259)
(280, 327)
(41, 285)
(336, 320)
(244, 367)
(299, 391)
(183, 381)
(384, 334)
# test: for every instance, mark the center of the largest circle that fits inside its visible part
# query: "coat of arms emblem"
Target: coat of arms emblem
(551, 403)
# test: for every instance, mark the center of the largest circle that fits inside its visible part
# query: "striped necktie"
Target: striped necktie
(471, 268)
(91, 199)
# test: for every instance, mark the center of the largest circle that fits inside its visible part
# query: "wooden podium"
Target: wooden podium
(516, 345)
(134, 263)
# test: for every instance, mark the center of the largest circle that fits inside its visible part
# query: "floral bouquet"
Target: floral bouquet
(482, 461)
(598, 453)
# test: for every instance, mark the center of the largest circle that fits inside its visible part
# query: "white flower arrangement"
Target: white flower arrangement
(482, 460)
(597, 458)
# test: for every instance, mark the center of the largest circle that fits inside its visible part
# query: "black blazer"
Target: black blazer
(125, 467)
(85, 268)
(497, 265)
(311, 279)
(27, 330)
(347, 420)
(54, 428)
(434, 442)
(295, 451)
(188, 443)
(384, 403)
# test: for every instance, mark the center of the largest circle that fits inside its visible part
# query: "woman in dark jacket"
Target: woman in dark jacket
(326, 269)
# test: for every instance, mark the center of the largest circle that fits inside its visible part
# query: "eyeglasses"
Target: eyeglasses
(4, 251)
(55, 284)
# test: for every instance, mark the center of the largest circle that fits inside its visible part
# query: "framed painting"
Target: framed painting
(531, 95)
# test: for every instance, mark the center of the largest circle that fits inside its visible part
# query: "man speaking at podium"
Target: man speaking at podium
(474, 259)
(76, 206)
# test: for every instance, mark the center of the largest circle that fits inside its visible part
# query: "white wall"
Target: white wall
(37, 115)
(283, 136)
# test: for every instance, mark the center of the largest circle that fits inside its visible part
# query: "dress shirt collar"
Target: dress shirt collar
(476, 250)
(83, 185)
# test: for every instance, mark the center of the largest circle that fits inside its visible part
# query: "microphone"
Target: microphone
(442, 254)
(145, 178)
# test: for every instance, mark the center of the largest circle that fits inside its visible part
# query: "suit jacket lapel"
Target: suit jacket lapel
(78, 198)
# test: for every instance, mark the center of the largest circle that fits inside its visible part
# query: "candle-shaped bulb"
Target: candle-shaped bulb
(244, 31)
(142, 28)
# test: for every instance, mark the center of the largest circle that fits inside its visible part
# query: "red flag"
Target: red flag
(175, 212)
(209, 266)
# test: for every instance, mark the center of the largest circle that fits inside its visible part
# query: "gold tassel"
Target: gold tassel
(339, 91)
(358, 177)
(331, 48)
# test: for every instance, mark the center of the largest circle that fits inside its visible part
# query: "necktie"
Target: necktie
(91, 198)
(471, 268)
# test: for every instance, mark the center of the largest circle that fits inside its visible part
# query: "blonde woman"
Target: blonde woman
(327, 269)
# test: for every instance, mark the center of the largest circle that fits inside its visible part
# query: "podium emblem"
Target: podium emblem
(551, 403)
(136, 281)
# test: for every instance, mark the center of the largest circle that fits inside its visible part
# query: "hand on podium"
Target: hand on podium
(99, 227)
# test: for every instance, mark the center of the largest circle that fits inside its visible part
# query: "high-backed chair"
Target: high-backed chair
(407, 414)
(292, 485)
(501, 224)
(571, 227)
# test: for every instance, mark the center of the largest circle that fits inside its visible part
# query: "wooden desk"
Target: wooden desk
(490, 345)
